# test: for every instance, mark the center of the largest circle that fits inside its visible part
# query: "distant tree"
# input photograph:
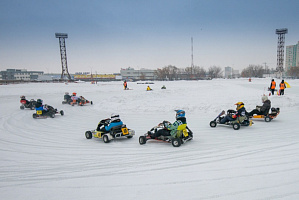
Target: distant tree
(293, 72)
(253, 71)
(169, 72)
(215, 72)
(196, 72)
(142, 76)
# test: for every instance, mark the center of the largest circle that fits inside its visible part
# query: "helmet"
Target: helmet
(39, 101)
(66, 93)
(74, 93)
(22, 97)
(179, 114)
(114, 117)
(239, 104)
(264, 98)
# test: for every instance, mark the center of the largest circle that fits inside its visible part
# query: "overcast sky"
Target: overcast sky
(105, 36)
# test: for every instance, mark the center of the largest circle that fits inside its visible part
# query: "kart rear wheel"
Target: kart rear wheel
(106, 139)
(176, 142)
(34, 115)
(268, 119)
(142, 140)
(52, 115)
(22, 107)
(213, 124)
(88, 134)
(61, 112)
(236, 126)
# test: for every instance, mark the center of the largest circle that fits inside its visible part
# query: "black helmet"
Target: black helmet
(39, 101)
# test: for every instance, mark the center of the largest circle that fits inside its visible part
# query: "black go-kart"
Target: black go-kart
(115, 132)
(183, 135)
(236, 124)
(27, 104)
(51, 112)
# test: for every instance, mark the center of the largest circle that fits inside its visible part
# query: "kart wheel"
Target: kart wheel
(52, 115)
(142, 140)
(176, 142)
(22, 107)
(106, 139)
(213, 124)
(91, 102)
(130, 136)
(34, 115)
(88, 134)
(268, 119)
(236, 126)
(64, 102)
(61, 112)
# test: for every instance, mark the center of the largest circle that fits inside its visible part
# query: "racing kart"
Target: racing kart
(115, 132)
(270, 116)
(27, 104)
(79, 102)
(182, 136)
(236, 124)
(51, 112)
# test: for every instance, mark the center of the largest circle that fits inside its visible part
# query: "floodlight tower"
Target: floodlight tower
(280, 48)
(192, 65)
(61, 37)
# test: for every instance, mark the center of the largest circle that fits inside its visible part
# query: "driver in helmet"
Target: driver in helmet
(74, 97)
(241, 112)
(105, 125)
(67, 97)
(171, 129)
(39, 105)
(23, 99)
(261, 110)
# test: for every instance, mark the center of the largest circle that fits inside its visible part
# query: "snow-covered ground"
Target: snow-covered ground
(51, 159)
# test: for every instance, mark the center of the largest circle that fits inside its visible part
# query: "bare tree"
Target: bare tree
(215, 72)
(169, 72)
(253, 71)
(293, 72)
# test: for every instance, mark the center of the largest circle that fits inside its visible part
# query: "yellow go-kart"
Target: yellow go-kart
(115, 132)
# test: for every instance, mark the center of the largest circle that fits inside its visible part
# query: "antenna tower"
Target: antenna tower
(61, 37)
(192, 65)
(280, 48)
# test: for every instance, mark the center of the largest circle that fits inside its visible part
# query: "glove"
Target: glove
(234, 116)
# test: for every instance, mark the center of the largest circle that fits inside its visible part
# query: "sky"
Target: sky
(105, 36)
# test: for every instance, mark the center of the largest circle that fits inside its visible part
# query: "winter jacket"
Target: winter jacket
(113, 124)
(177, 127)
(266, 107)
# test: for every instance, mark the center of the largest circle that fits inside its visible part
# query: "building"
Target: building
(292, 56)
(228, 72)
(142, 74)
(20, 74)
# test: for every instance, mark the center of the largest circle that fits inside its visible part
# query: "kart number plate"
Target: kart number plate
(185, 132)
(125, 131)
(39, 112)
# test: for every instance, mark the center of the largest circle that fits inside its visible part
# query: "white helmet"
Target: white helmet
(264, 98)
(114, 117)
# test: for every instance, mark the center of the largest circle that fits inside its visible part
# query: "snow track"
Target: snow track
(52, 159)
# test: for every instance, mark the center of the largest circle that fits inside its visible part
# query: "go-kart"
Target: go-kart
(115, 132)
(268, 118)
(236, 124)
(27, 104)
(183, 135)
(51, 112)
(80, 102)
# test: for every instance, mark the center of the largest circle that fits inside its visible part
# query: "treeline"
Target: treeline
(258, 71)
(171, 72)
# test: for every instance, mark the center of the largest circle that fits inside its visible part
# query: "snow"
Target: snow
(51, 158)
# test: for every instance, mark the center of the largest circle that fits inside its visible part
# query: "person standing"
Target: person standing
(272, 86)
(125, 85)
(282, 86)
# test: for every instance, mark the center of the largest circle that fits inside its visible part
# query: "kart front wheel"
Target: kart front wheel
(268, 119)
(142, 140)
(106, 139)
(34, 115)
(88, 134)
(130, 136)
(91, 103)
(61, 112)
(213, 124)
(236, 126)
(176, 142)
